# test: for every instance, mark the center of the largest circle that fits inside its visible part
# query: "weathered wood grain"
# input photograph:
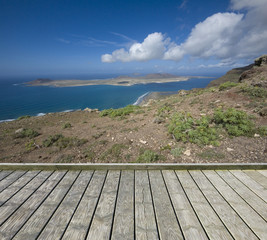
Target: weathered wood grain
(145, 221)
(9, 228)
(263, 172)
(102, 221)
(250, 197)
(33, 227)
(208, 217)
(57, 224)
(252, 219)
(80, 222)
(3, 174)
(10, 179)
(168, 226)
(232, 221)
(7, 209)
(190, 225)
(253, 185)
(123, 226)
(258, 177)
(16, 186)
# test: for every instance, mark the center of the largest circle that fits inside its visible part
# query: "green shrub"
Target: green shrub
(121, 112)
(211, 154)
(23, 117)
(257, 92)
(30, 146)
(149, 156)
(185, 128)
(27, 132)
(177, 152)
(236, 122)
(66, 125)
(63, 142)
(227, 85)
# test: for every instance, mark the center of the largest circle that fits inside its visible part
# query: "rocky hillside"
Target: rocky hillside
(225, 122)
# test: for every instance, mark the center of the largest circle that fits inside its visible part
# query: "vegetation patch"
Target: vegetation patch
(23, 117)
(185, 128)
(66, 125)
(149, 156)
(114, 152)
(211, 154)
(177, 152)
(63, 142)
(227, 85)
(254, 92)
(120, 112)
(235, 122)
(26, 132)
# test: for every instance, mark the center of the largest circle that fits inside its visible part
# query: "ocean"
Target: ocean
(18, 99)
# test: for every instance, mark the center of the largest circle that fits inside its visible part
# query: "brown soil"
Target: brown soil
(122, 139)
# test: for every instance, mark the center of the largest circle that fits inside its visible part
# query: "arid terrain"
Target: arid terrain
(225, 122)
(118, 81)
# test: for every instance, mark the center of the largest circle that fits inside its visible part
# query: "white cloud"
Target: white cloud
(153, 47)
(220, 36)
(214, 36)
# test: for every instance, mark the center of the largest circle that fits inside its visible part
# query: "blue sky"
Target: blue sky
(48, 37)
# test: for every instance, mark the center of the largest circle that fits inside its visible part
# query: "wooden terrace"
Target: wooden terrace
(121, 202)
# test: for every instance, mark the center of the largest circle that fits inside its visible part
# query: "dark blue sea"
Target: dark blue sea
(17, 99)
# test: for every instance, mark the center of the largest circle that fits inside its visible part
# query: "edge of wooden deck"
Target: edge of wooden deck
(131, 166)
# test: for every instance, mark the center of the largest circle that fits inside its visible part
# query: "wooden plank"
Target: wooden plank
(16, 186)
(263, 172)
(10, 179)
(250, 197)
(15, 221)
(102, 220)
(168, 226)
(253, 185)
(38, 220)
(83, 216)
(14, 203)
(145, 223)
(190, 224)
(123, 226)
(58, 223)
(252, 219)
(208, 217)
(230, 218)
(3, 174)
(258, 177)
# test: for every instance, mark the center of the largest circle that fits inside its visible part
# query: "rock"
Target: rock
(91, 110)
(261, 60)
(262, 84)
(182, 93)
(256, 135)
(217, 101)
(229, 149)
(19, 130)
(143, 142)
(263, 112)
(187, 152)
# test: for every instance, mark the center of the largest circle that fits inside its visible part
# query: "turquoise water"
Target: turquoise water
(18, 99)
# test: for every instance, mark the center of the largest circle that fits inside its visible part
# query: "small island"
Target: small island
(118, 81)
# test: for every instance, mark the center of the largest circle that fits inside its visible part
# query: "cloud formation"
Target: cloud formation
(221, 36)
